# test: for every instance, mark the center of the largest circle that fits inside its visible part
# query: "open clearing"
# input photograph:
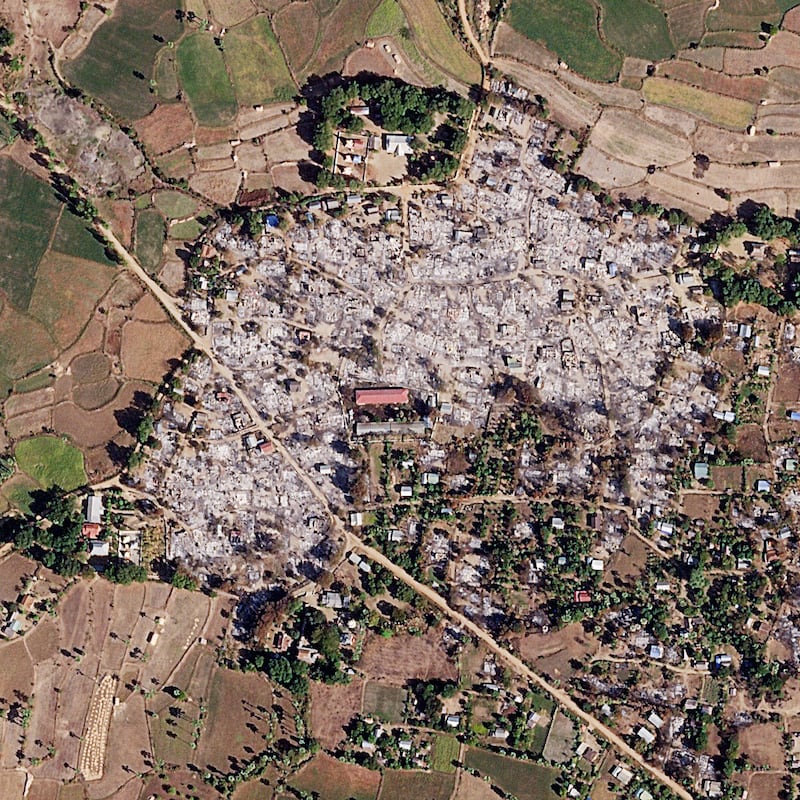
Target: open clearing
(118, 63)
(332, 709)
(403, 658)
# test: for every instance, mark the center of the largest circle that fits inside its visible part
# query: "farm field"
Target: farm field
(335, 780)
(435, 40)
(205, 80)
(569, 29)
(386, 20)
(98, 634)
(149, 238)
(51, 461)
(260, 74)
(445, 751)
(687, 69)
(402, 784)
(58, 276)
(523, 779)
(385, 702)
(118, 64)
(636, 28)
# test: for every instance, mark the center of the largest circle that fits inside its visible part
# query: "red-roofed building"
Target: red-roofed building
(91, 530)
(582, 596)
(381, 397)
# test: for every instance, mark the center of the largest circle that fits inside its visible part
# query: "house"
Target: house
(94, 509)
(359, 111)
(557, 524)
(334, 600)
(722, 660)
(430, 478)
(762, 371)
(382, 396)
(623, 775)
(405, 745)
(648, 737)
(655, 720)
(701, 471)
(98, 548)
(325, 469)
(406, 491)
(452, 720)
(794, 416)
(392, 215)
(356, 519)
(597, 564)
(394, 535)
(582, 596)
(763, 486)
(397, 144)
(656, 651)
(91, 530)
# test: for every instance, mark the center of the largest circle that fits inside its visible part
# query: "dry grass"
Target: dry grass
(403, 658)
(297, 28)
(437, 42)
(724, 111)
(633, 140)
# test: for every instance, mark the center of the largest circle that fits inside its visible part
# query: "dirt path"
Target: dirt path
(470, 34)
(203, 344)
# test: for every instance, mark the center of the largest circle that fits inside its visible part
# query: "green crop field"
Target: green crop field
(28, 211)
(387, 19)
(205, 80)
(256, 63)
(73, 238)
(445, 751)
(51, 461)
(188, 230)
(569, 29)
(636, 28)
(525, 780)
(150, 236)
(118, 63)
(174, 205)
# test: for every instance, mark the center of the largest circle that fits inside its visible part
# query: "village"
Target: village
(525, 399)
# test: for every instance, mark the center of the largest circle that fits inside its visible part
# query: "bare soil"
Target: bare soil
(166, 127)
(403, 658)
(332, 708)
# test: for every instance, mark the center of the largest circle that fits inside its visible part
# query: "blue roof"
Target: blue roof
(272, 220)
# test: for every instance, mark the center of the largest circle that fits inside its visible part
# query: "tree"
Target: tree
(119, 570)
(6, 37)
